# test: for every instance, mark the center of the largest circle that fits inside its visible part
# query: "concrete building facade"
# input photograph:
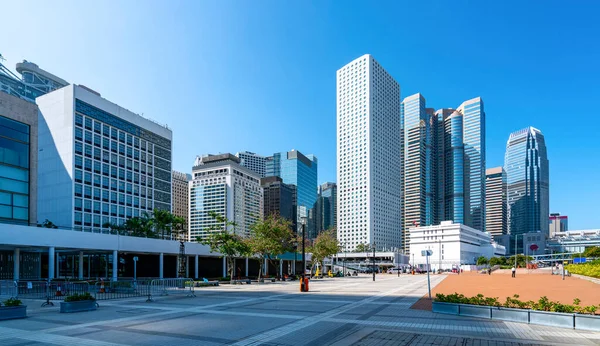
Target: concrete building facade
(279, 199)
(181, 200)
(495, 203)
(253, 162)
(102, 163)
(558, 223)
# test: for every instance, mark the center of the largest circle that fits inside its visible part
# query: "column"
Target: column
(51, 263)
(80, 265)
(160, 265)
(115, 263)
(266, 267)
(187, 266)
(196, 267)
(16, 262)
(281, 268)
(246, 266)
(224, 266)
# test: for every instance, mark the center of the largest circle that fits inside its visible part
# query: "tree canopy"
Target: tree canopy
(324, 246)
(270, 238)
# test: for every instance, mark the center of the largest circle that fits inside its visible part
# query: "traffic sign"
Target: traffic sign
(426, 252)
(135, 259)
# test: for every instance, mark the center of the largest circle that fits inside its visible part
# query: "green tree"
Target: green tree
(482, 261)
(362, 247)
(225, 241)
(163, 221)
(520, 260)
(593, 251)
(324, 246)
(497, 261)
(270, 238)
(47, 224)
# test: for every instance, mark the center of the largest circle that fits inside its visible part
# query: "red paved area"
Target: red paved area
(530, 286)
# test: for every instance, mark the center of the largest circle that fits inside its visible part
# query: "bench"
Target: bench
(205, 282)
(239, 282)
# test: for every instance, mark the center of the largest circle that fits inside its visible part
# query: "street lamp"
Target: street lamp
(303, 284)
(373, 261)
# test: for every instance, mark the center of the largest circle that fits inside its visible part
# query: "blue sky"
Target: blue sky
(260, 75)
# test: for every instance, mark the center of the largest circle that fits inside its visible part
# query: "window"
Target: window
(78, 148)
(78, 120)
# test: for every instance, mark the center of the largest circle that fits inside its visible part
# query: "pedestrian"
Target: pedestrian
(489, 271)
(514, 272)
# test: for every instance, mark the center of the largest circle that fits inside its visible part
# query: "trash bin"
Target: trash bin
(305, 284)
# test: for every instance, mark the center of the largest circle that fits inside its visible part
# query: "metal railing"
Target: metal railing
(121, 289)
(162, 287)
(8, 289)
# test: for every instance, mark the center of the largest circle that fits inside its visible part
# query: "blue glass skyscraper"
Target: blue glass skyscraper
(301, 170)
(527, 174)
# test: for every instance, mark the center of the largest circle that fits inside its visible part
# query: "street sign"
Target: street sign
(135, 259)
(426, 252)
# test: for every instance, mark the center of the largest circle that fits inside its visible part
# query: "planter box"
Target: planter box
(84, 305)
(12, 312)
(513, 315)
(482, 311)
(445, 308)
(555, 319)
(587, 322)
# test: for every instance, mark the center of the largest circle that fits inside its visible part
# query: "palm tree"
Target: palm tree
(163, 221)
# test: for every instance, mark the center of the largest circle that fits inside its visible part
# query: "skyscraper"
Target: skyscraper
(474, 159)
(34, 81)
(369, 154)
(298, 169)
(100, 163)
(444, 157)
(180, 191)
(495, 201)
(527, 174)
(221, 185)
(558, 223)
(253, 162)
(279, 199)
(325, 209)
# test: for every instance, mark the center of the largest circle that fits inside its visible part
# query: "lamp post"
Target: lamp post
(303, 285)
(373, 261)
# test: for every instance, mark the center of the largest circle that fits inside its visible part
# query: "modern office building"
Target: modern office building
(495, 201)
(369, 151)
(221, 185)
(33, 82)
(324, 213)
(443, 159)
(279, 199)
(298, 169)
(575, 241)
(526, 165)
(558, 223)
(181, 200)
(253, 162)
(101, 163)
(452, 245)
(18, 160)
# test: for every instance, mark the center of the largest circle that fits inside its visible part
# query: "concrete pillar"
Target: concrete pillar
(280, 267)
(196, 267)
(51, 260)
(16, 262)
(160, 265)
(80, 265)
(266, 267)
(115, 263)
(224, 266)
(246, 266)
(187, 266)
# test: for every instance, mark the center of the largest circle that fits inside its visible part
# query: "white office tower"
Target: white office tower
(253, 162)
(221, 185)
(368, 156)
(99, 163)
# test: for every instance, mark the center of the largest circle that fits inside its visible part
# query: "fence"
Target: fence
(101, 290)
(8, 289)
(162, 287)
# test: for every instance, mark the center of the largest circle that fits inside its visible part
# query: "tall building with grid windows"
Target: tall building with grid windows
(253, 162)
(181, 200)
(221, 185)
(495, 204)
(100, 162)
(369, 151)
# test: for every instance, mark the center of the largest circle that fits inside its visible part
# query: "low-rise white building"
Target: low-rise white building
(452, 244)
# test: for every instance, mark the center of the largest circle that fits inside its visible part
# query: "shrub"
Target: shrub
(12, 302)
(543, 304)
(591, 269)
(77, 297)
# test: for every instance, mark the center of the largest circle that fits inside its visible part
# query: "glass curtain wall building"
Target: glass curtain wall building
(33, 82)
(100, 162)
(18, 160)
(527, 173)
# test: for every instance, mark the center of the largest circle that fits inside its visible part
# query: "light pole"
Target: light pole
(397, 262)
(303, 285)
(373, 261)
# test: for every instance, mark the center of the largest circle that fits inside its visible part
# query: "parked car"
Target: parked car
(395, 270)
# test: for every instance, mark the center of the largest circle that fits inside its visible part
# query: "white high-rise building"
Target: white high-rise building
(221, 185)
(253, 162)
(369, 154)
(101, 163)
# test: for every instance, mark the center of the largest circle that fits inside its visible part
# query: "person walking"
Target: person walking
(489, 271)
(514, 272)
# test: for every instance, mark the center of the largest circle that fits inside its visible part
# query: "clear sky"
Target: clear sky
(240, 75)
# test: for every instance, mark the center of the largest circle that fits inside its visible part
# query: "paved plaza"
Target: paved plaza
(342, 311)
